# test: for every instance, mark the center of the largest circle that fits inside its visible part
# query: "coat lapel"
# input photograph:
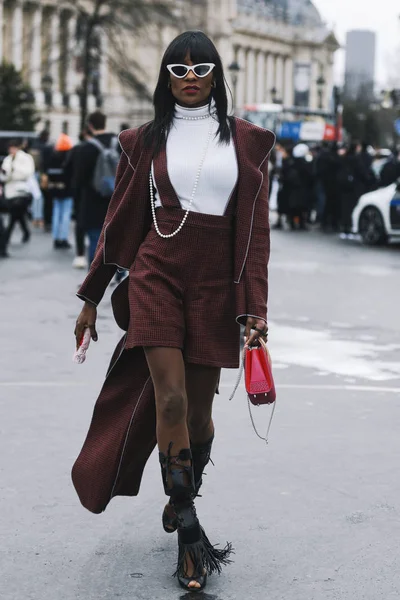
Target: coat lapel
(133, 208)
(253, 146)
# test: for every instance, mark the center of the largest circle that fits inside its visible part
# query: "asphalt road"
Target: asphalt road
(313, 516)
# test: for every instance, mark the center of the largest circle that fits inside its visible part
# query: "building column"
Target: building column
(71, 76)
(250, 76)
(35, 59)
(1, 31)
(279, 77)
(288, 99)
(54, 57)
(16, 36)
(313, 103)
(260, 77)
(231, 55)
(104, 64)
(241, 84)
(270, 76)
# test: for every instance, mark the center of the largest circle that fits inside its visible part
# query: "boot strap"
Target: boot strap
(180, 474)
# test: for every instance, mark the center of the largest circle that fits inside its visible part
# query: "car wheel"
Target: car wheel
(372, 227)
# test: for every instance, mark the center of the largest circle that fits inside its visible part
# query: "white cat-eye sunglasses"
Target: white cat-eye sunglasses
(201, 70)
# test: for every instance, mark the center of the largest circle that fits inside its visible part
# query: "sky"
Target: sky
(381, 16)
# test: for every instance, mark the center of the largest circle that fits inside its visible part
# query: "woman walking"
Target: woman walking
(189, 220)
(18, 167)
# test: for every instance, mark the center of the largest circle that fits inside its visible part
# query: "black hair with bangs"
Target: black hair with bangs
(201, 50)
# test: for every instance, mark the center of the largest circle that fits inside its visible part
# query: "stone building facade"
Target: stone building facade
(281, 46)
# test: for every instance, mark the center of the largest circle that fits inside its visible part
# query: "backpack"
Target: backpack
(106, 167)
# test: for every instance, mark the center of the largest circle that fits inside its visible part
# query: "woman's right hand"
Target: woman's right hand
(87, 319)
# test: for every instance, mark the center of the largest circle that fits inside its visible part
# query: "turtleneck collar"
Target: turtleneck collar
(201, 111)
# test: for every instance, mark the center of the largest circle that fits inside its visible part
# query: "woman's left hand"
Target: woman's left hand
(250, 336)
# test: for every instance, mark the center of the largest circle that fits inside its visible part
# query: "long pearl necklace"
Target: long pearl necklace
(196, 183)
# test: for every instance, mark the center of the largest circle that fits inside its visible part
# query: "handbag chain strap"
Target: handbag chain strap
(265, 439)
(239, 378)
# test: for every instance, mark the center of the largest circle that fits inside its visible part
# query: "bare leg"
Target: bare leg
(201, 383)
(167, 371)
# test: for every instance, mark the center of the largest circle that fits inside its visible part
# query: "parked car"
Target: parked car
(377, 215)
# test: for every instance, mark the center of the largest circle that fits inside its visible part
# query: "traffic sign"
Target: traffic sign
(397, 126)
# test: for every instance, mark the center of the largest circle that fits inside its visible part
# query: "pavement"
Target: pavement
(315, 515)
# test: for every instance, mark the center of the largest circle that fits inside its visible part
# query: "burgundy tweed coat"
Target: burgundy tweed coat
(122, 436)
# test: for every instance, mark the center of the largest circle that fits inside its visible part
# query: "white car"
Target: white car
(377, 215)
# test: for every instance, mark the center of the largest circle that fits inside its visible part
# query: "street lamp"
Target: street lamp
(234, 69)
(274, 92)
(338, 108)
(320, 88)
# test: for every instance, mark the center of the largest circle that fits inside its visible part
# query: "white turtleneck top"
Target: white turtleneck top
(185, 149)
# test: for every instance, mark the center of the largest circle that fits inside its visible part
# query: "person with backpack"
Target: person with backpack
(94, 177)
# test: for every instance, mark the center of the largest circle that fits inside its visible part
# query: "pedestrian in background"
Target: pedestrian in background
(94, 203)
(319, 166)
(283, 157)
(329, 169)
(45, 150)
(34, 184)
(59, 173)
(366, 155)
(3, 232)
(18, 167)
(191, 213)
(353, 181)
(3, 239)
(80, 261)
(300, 186)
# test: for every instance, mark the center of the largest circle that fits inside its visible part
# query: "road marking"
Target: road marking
(350, 388)
(280, 386)
(41, 384)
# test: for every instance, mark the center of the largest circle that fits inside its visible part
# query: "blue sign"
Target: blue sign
(290, 130)
(397, 126)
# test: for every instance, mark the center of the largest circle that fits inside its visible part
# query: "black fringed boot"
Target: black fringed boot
(192, 539)
(201, 455)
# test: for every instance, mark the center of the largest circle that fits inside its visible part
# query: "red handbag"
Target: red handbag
(259, 381)
(260, 386)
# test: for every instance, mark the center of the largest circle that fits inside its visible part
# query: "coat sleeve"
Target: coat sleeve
(100, 274)
(256, 269)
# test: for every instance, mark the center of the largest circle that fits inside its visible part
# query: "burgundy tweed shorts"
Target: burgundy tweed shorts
(181, 290)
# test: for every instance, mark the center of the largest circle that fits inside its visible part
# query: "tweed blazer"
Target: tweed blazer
(128, 220)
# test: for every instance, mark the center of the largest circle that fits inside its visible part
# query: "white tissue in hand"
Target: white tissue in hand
(80, 354)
